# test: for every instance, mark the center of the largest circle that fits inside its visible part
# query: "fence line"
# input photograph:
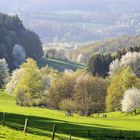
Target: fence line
(118, 134)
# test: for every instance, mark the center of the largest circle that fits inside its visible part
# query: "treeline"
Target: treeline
(74, 92)
(16, 42)
(99, 63)
(78, 92)
(123, 72)
(116, 88)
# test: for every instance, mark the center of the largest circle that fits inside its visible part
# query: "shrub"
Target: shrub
(89, 95)
(61, 89)
(67, 106)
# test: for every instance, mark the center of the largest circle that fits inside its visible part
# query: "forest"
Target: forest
(16, 42)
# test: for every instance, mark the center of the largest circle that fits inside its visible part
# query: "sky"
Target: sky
(54, 5)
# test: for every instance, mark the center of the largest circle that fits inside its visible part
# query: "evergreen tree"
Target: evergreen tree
(99, 64)
(13, 32)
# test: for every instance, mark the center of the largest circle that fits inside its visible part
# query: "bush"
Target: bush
(89, 95)
(61, 89)
(67, 106)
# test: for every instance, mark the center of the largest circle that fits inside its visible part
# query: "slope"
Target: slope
(41, 122)
(60, 65)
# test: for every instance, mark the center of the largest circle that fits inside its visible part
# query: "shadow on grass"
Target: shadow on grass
(43, 126)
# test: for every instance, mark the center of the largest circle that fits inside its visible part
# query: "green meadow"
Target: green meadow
(60, 65)
(41, 121)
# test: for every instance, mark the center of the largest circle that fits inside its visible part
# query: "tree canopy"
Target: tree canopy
(13, 32)
(119, 82)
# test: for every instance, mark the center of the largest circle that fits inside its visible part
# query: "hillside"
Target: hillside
(41, 122)
(60, 65)
(111, 45)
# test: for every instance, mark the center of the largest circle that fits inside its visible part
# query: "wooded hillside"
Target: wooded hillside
(17, 42)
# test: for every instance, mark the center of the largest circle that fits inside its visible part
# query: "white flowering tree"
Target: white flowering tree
(131, 59)
(14, 79)
(83, 58)
(19, 55)
(131, 100)
(79, 58)
(114, 66)
(4, 72)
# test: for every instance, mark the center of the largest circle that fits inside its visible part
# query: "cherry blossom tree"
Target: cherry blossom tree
(131, 59)
(131, 100)
(4, 72)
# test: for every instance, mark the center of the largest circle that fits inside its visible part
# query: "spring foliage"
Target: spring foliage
(119, 82)
(89, 97)
(29, 84)
(131, 59)
(78, 92)
(4, 72)
(131, 100)
(13, 81)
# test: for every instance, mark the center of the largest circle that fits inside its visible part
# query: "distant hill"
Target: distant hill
(60, 65)
(111, 45)
(77, 21)
(16, 42)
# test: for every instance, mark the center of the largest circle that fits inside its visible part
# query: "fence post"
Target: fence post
(105, 133)
(25, 125)
(120, 133)
(88, 133)
(134, 134)
(70, 136)
(54, 130)
(3, 119)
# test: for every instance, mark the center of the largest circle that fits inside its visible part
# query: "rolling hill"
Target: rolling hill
(110, 45)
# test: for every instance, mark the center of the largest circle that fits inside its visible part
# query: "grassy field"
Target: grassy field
(60, 65)
(82, 128)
